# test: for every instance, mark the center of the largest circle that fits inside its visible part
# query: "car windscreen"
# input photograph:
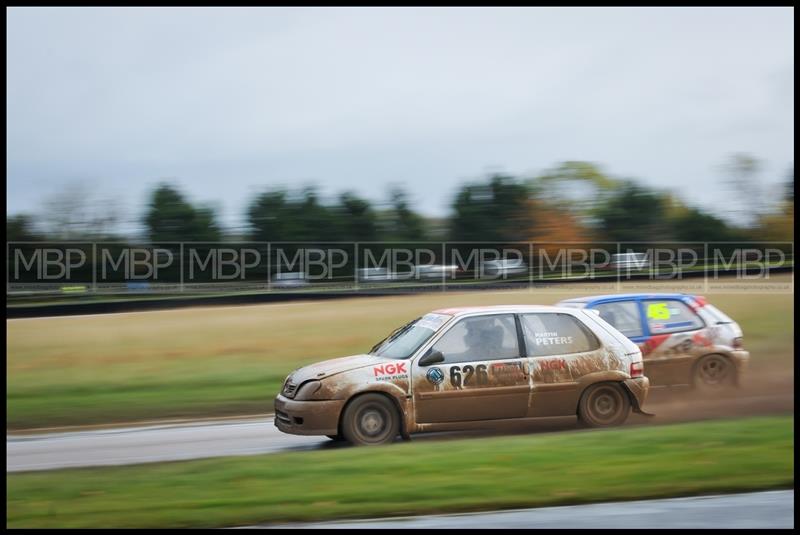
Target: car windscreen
(403, 342)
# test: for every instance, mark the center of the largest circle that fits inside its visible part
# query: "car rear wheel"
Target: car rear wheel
(369, 420)
(713, 372)
(604, 405)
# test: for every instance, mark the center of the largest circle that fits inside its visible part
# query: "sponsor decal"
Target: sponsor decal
(432, 321)
(506, 369)
(551, 338)
(390, 372)
(652, 343)
(676, 324)
(701, 338)
(683, 346)
(435, 376)
(553, 365)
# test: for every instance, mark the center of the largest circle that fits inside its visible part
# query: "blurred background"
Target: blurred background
(419, 137)
(575, 202)
(413, 122)
(145, 127)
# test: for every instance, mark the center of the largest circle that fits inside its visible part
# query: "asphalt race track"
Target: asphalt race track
(249, 436)
(133, 445)
(258, 435)
(764, 510)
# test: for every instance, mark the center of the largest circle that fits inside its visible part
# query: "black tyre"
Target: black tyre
(604, 405)
(369, 420)
(713, 372)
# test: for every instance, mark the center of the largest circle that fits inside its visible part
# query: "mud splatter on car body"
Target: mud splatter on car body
(685, 341)
(459, 366)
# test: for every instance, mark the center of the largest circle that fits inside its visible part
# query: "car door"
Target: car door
(672, 328)
(627, 316)
(483, 377)
(561, 349)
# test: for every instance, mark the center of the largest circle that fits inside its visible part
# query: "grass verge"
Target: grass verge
(203, 362)
(415, 478)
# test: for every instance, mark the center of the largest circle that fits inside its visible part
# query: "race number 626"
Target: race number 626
(479, 373)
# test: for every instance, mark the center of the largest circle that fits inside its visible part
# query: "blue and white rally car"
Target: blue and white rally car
(685, 341)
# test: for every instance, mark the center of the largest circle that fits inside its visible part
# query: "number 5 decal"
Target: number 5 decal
(658, 311)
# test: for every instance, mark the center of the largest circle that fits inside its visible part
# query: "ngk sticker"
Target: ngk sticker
(390, 372)
(554, 364)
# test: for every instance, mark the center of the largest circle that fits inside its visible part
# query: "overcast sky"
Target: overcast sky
(227, 102)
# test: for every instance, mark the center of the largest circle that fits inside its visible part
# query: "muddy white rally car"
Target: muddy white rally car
(685, 340)
(459, 367)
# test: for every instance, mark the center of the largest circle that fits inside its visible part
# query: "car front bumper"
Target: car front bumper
(307, 417)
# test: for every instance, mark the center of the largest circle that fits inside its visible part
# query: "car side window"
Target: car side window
(480, 338)
(623, 316)
(670, 316)
(556, 334)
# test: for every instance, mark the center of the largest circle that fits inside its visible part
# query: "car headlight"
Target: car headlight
(308, 389)
(289, 388)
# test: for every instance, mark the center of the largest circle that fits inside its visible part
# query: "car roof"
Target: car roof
(625, 297)
(461, 311)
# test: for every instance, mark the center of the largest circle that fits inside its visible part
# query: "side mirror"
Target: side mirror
(431, 357)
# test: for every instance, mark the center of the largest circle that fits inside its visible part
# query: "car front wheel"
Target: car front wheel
(604, 405)
(370, 420)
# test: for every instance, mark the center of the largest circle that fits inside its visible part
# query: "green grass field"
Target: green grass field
(232, 360)
(414, 478)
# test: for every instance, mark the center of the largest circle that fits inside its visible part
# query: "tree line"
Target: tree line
(572, 202)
